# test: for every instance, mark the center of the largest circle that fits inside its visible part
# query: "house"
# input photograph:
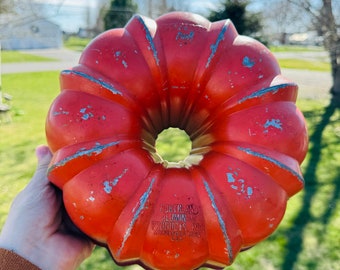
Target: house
(29, 32)
(310, 38)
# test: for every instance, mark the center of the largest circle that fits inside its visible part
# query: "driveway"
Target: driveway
(312, 84)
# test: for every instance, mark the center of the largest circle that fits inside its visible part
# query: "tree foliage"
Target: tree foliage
(246, 23)
(119, 13)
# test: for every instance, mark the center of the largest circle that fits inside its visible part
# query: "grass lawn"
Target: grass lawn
(76, 43)
(308, 237)
(20, 57)
(304, 64)
(295, 48)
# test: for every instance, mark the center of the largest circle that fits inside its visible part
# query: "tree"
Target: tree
(324, 20)
(245, 22)
(119, 13)
(283, 19)
(5, 6)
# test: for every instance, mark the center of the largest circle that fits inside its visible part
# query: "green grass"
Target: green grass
(76, 43)
(20, 57)
(295, 48)
(32, 93)
(308, 237)
(304, 64)
(167, 141)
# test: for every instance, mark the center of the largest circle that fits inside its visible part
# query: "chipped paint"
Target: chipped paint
(230, 178)
(214, 46)
(274, 161)
(220, 220)
(109, 184)
(238, 184)
(247, 62)
(97, 149)
(149, 39)
(275, 123)
(86, 115)
(118, 55)
(184, 36)
(106, 85)
(60, 112)
(272, 89)
(124, 63)
(137, 211)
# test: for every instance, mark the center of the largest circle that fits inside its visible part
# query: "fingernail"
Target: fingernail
(41, 151)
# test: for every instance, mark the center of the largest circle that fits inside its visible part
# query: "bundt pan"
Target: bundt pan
(226, 92)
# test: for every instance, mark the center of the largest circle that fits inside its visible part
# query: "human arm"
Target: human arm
(34, 228)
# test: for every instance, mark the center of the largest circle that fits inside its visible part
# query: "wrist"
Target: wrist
(11, 260)
(23, 249)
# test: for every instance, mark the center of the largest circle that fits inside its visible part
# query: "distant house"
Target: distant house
(306, 39)
(28, 33)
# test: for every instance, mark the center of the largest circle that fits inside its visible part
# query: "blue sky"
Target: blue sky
(73, 14)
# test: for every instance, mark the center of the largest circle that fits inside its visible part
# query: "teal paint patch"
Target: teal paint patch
(272, 89)
(230, 178)
(149, 38)
(220, 220)
(85, 115)
(274, 161)
(142, 201)
(109, 184)
(184, 36)
(60, 112)
(238, 184)
(97, 149)
(249, 191)
(214, 46)
(275, 123)
(92, 79)
(247, 62)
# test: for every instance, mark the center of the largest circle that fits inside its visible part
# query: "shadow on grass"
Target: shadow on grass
(304, 216)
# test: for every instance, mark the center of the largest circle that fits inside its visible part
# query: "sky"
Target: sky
(73, 14)
(69, 14)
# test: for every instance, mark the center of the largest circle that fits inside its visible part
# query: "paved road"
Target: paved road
(312, 84)
(64, 59)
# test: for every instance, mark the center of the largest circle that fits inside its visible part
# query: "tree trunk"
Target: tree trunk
(332, 44)
(335, 91)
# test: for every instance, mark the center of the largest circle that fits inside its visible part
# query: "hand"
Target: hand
(34, 228)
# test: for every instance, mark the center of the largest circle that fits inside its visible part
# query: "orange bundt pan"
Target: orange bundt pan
(226, 91)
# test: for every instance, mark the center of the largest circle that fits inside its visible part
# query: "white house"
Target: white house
(29, 33)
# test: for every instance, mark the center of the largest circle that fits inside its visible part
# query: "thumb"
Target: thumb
(43, 154)
(44, 157)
